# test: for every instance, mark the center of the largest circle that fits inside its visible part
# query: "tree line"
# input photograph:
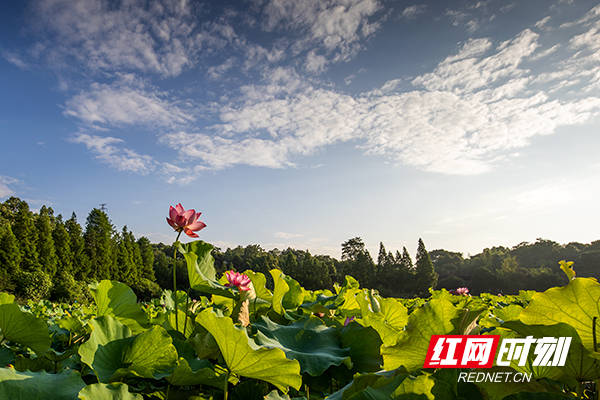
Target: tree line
(46, 256)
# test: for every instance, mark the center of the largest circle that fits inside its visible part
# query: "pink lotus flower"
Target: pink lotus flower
(461, 291)
(185, 220)
(241, 281)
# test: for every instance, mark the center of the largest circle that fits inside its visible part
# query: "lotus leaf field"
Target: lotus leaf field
(220, 340)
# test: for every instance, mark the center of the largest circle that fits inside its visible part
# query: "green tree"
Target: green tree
(425, 275)
(123, 269)
(99, 244)
(62, 246)
(406, 261)
(80, 262)
(45, 243)
(10, 257)
(358, 261)
(147, 254)
(23, 227)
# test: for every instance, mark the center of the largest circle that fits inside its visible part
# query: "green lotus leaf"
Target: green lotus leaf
(500, 391)
(197, 372)
(201, 268)
(259, 281)
(433, 318)
(150, 354)
(580, 364)
(15, 385)
(108, 391)
(189, 325)
(117, 299)
(575, 304)
(245, 358)
(388, 321)
(23, 328)
(6, 298)
(385, 386)
(287, 294)
(102, 351)
(313, 344)
(364, 344)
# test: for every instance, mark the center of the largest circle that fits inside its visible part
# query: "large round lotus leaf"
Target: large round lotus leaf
(201, 268)
(16, 385)
(314, 345)
(386, 386)
(287, 294)
(197, 372)
(103, 350)
(388, 318)
(117, 299)
(433, 318)
(575, 304)
(579, 364)
(113, 354)
(110, 391)
(364, 344)
(245, 358)
(23, 328)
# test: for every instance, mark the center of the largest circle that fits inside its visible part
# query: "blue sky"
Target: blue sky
(304, 123)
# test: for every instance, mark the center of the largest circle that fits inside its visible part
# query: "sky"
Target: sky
(469, 124)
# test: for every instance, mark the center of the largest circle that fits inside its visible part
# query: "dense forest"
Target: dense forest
(43, 255)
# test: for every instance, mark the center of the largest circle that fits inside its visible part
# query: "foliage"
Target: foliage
(34, 285)
(351, 344)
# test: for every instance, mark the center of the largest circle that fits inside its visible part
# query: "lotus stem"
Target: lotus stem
(594, 333)
(175, 280)
(226, 386)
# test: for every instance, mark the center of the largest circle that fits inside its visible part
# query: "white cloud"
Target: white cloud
(15, 59)
(217, 71)
(126, 102)
(335, 25)
(414, 10)
(287, 235)
(315, 62)
(5, 183)
(108, 150)
(161, 37)
(542, 22)
(470, 113)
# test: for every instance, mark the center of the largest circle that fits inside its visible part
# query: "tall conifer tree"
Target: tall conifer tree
(62, 246)
(425, 274)
(99, 244)
(79, 261)
(45, 243)
(10, 256)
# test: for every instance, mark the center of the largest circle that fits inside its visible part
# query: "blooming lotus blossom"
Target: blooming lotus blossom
(241, 281)
(461, 291)
(184, 220)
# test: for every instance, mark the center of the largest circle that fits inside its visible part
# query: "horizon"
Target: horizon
(304, 124)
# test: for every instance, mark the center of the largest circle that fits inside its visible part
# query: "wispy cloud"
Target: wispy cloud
(5, 186)
(161, 37)
(287, 235)
(414, 10)
(125, 102)
(110, 151)
(335, 26)
(15, 59)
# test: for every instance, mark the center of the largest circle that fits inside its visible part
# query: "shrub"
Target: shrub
(67, 289)
(145, 289)
(34, 285)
